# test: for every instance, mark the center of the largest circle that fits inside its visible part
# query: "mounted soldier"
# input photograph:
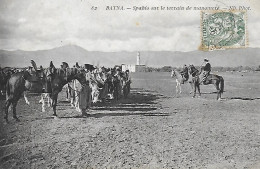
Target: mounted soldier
(184, 73)
(205, 70)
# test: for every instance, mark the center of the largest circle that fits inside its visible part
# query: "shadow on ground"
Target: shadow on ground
(137, 100)
(101, 115)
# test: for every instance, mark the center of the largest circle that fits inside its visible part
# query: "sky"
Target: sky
(44, 24)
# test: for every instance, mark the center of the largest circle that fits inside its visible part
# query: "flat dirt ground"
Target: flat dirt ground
(153, 128)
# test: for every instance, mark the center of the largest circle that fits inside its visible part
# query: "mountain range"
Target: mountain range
(72, 54)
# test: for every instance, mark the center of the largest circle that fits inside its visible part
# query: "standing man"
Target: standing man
(206, 68)
(85, 98)
(51, 70)
(127, 75)
(128, 81)
(118, 76)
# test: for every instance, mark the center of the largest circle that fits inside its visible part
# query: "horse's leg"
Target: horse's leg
(176, 89)
(7, 105)
(77, 105)
(221, 86)
(194, 92)
(75, 99)
(199, 89)
(180, 88)
(72, 100)
(67, 92)
(77, 102)
(54, 103)
(49, 100)
(25, 98)
(14, 110)
(41, 100)
(216, 84)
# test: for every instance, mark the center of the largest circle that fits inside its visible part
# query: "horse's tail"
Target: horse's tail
(221, 84)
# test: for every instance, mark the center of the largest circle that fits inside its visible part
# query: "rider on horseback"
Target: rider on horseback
(206, 68)
(185, 74)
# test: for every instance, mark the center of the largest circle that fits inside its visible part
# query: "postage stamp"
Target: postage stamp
(223, 29)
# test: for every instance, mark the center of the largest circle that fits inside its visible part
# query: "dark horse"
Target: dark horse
(216, 80)
(21, 82)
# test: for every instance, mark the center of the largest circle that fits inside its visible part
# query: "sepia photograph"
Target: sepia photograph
(142, 84)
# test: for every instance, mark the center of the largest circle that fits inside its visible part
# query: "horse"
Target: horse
(20, 82)
(15, 87)
(61, 78)
(216, 80)
(179, 80)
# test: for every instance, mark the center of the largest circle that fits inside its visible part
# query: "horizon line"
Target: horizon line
(10, 50)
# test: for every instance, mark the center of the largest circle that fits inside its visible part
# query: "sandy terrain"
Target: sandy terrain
(153, 128)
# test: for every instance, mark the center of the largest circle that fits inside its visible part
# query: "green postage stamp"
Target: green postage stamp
(223, 29)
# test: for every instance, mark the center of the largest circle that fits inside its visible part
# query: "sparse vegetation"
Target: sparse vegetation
(215, 69)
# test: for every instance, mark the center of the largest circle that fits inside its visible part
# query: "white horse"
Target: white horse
(179, 81)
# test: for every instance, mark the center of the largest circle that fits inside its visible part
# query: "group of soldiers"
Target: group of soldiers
(104, 81)
(205, 69)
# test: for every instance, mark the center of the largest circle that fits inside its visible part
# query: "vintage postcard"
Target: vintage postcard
(130, 84)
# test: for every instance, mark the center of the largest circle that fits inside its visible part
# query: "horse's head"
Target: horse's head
(192, 70)
(27, 75)
(76, 73)
(41, 73)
